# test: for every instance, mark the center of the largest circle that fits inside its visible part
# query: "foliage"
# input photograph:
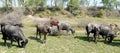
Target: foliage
(102, 13)
(111, 3)
(73, 6)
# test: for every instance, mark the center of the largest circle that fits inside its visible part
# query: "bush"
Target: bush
(48, 11)
(102, 13)
(83, 12)
(76, 12)
(64, 12)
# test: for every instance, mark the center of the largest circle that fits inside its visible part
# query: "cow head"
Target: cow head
(111, 36)
(24, 42)
(50, 31)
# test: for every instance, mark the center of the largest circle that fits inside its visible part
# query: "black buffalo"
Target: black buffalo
(13, 33)
(97, 30)
(65, 26)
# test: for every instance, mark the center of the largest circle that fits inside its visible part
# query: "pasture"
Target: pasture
(65, 44)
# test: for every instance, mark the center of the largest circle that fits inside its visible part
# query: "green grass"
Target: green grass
(63, 44)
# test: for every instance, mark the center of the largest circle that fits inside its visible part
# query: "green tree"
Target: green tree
(63, 3)
(116, 3)
(21, 3)
(108, 3)
(51, 2)
(73, 5)
(32, 3)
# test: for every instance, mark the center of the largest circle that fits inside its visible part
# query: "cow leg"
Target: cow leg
(4, 38)
(5, 42)
(72, 31)
(18, 41)
(45, 37)
(37, 33)
(95, 38)
(105, 38)
(40, 35)
(11, 42)
(67, 32)
(88, 36)
(110, 40)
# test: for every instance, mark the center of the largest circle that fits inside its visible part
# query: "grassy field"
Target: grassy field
(65, 44)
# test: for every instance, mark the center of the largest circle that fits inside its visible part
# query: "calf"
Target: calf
(44, 29)
(14, 33)
(65, 26)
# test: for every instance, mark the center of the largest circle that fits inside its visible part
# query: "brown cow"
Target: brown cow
(53, 22)
(44, 29)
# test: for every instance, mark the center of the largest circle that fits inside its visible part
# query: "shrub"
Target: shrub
(102, 13)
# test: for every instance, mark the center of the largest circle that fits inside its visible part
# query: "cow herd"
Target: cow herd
(98, 29)
(12, 31)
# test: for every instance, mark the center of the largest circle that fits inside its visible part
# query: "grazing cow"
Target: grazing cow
(65, 26)
(107, 33)
(3, 23)
(97, 30)
(44, 29)
(8, 22)
(13, 33)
